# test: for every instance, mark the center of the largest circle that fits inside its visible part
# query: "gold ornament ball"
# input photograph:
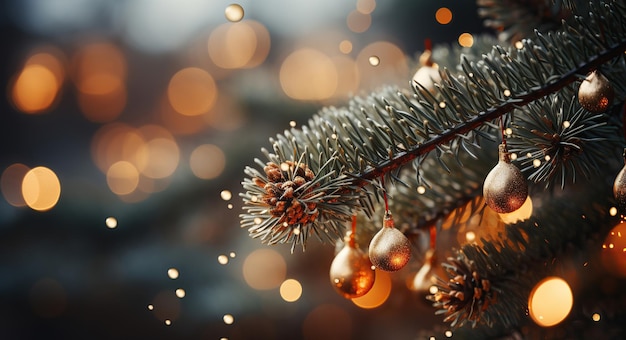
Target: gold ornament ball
(351, 272)
(595, 93)
(389, 249)
(505, 188)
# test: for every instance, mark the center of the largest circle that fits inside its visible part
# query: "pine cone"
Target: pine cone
(286, 188)
(465, 296)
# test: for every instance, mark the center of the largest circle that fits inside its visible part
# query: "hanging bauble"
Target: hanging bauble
(619, 186)
(505, 188)
(351, 271)
(389, 249)
(595, 93)
(428, 72)
(423, 280)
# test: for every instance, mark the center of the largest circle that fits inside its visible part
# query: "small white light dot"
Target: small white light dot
(292, 123)
(508, 131)
(296, 231)
(257, 220)
(333, 136)
(226, 195)
(150, 307)
(547, 158)
(519, 45)
(536, 163)
(529, 155)
(374, 60)
(595, 317)
(284, 166)
(566, 124)
(613, 211)
(471, 74)
(228, 319)
(421, 189)
(470, 236)
(229, 206)
(507, 93)
(168, 322)
(180, 293)
(448, 334)
(254, 198)
(442, 105)
(111, 222)
(513, 156)
(232, 254)
(172, 273)
(222, 259)
(433, 289)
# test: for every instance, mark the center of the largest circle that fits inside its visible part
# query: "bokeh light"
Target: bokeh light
(358, 22)
(34, 89)
(443, 15)
(122, 178)
(180, 293)
(264, 269)
(11, 184)
(161, 151)
(378, 294)
(226, 195)
(234, 12)
(613, 253)
(466, 40)
(392, 69)
(366, 6)
(550, 301)
(111, 222)
(41, 188)
(192, 91)
(207, 161)
(242, 45)
(228, 319)
(173, 273)
(345, 46)
(290, 290)
(308, 74)
(222, 259)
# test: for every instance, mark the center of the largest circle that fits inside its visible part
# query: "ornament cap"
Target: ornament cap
(388, 220)
(503, 154)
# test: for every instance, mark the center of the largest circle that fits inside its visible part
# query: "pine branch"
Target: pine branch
(346, 149)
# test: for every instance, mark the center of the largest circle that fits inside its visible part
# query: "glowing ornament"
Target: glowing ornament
(619, 186)
(595, 93)
(351, 271)
(505, 189)
(389, 249)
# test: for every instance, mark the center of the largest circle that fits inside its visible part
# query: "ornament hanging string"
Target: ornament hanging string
(382, 184)
(502, 131)
(433, 236)
(351, 241)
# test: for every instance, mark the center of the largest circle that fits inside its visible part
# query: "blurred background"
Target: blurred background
(124, 131)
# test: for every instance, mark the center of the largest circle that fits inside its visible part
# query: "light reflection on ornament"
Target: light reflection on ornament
(550, 301)
(378, 294)
(234, 12)
(389, 249)
(351, 272)
(519, 215)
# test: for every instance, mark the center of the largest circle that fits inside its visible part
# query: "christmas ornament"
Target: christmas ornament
(505, 188)
(595, 93)
(465, 296)
(389, 249)
(428, 73)
(423, 280)
(351, 271)
(619, 186)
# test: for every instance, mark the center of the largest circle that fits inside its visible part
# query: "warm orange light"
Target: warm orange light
(443, 15)
(207, 161)
(613, 253)
(41, 188)
(34, 89)
(99, 68)
(264, 269)
(349, 79)
(366, 6)
(345, 46)
(103, 107)
(550, 301)
(308, 74)
(232, 46)
(466, 40)
(521, 214)
(234, 12)
(391, 69)
(161, 152)
(290, 290)
(192, 91)
(11, 184)
(358, 22)
(118, 142)
(378, 294)
(122, 178)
